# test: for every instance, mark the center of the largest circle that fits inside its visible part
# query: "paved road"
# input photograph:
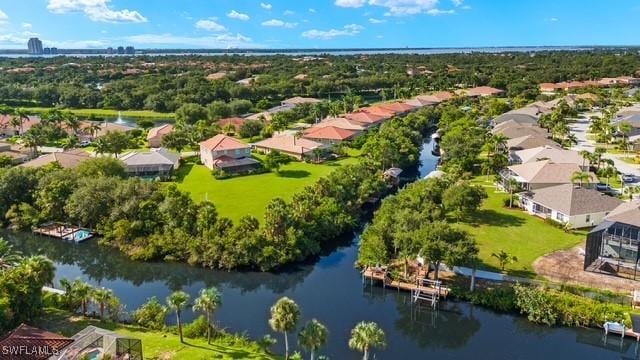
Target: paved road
(580, 129)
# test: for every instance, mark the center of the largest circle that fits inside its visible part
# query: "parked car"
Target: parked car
(85, 143)
(604, 188)
(628, 178)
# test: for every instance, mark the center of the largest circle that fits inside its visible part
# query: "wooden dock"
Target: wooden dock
(423, 289)
(64, 232)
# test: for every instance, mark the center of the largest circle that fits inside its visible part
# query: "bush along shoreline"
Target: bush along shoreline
(570, 306)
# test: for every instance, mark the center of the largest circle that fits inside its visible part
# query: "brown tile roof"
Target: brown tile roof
(288, 143)
(237, 122)
(573, 200)
(340, 122)
(330, 133)
(530, 141)
(223, 142)
(480, 91)
(160, 131)
(626, 213)
(34, 339)
(67, 159)
(397, 107)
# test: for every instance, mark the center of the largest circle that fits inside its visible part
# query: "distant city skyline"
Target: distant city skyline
(220, 24)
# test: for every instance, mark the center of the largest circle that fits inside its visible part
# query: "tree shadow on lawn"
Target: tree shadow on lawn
(295, 174)
(183, 171)
(494, 218)
(524, 273)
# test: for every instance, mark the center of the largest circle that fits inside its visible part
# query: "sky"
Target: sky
(282, 24)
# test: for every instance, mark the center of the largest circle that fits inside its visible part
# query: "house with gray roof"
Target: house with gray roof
(553, 153)
(154, 163)
(542, 174)
(522, 118)
(576, 206)
(529, 142)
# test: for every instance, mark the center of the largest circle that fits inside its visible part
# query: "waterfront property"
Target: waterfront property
(289, 144)
(330, 135)
(154, 163)
(67, 159)
(156, 134)
(97, 343)
(16, 153)
(530, 142)
(552, 153)
(33, 339)
(612, 247)
(7, 127)
(226, 153)
(64, 232)
(575, 206)
(541, 174)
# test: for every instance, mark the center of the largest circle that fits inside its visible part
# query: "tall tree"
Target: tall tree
(285, 314)
(178, 301)
(366, 336)
(207, 302)
(312, 336)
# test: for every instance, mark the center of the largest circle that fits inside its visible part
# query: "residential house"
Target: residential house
(397, 108)
(17, 153)
(553, 153)
(235, 122)
(437, 97)
(576, 206)
(365, 118)
(288, 144)
(7, 129)
(298, 100)
(514, 116)
(612, 246)
(102, 128)
(512, 130)
(420, 102)
(480, 91)
(67, 159)
(541, 174)
(226, 153)
(529, 142)
(330, 135)
(155, 163)
(156, 134)
(29, 338)
(342, 123)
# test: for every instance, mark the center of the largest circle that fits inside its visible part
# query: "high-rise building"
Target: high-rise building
(130, 50)
(120, 50)
(35, 46)
(54, 51)
(47, 51)
(109, 50)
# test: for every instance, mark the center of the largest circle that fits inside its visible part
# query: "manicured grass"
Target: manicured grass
(157, 344)
(514, 231)
(108, 112)
(249, 195)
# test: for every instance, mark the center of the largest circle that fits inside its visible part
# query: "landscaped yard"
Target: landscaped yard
(249, 195)
(156, 344)
(514, 231)
(108, 112)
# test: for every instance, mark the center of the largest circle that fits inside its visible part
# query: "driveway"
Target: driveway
(580, 129)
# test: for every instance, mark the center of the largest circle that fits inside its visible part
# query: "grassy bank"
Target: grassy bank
(158, 344)
(249, 195)
(514, 231)
(107, 113)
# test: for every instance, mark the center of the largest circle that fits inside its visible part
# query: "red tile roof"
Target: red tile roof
(330, 133)
(397, 107)
(365, 117)
(34, 340)
(223, 142)
(160, 131)
(237, 122)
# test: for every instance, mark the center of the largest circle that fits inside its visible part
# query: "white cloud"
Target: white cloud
(289, 12)
(279, 23)
(554, 19)
(96, 10)
(347, 30)
(377, 21)
(380, 37)
(465, 7)
(210, 25)
(3, 17)
(266, 6)
(351, 3)
(238, 16)
(457, 3)
(216, 41)
(26, 25)
(436, 12)
(312, 10)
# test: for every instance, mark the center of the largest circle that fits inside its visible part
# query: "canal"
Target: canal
(330, 289)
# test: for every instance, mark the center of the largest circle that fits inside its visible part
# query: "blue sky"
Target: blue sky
(318, 23)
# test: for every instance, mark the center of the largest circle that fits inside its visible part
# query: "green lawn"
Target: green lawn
(249, 195)
(108, 112)
(158, 344)
(516, 232)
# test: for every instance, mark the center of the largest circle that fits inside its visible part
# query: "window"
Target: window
(588, 218)
(561, 217)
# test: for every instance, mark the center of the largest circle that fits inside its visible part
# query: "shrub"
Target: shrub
(151, 314)
(498, 298)
(536, 304)
(195, 329)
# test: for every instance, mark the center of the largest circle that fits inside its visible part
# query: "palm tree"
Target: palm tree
(586, 156)
(284, 318)
(512, 186)
(178, 301)
(504, 258)
(72, 122)
(8, 256)
(625, 128)
(312, 336)
(581, 177)
(32, 140)
(69, 142)
(101, 146)
(41, 267)
(22, 116)
(365, 336)
(83, 293)
(93, 128)
(102, 297)
(208, 301)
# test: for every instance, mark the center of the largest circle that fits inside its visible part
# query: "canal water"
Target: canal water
(330, 289)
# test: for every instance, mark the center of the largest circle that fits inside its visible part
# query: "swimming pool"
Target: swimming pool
(93, 354)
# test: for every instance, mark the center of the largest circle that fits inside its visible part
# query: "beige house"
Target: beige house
(226, 153)
(553, 153)
(578, 207)
(67, 159)
(529, 142)
(290, 145)
(156, 134)
(541, 174)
